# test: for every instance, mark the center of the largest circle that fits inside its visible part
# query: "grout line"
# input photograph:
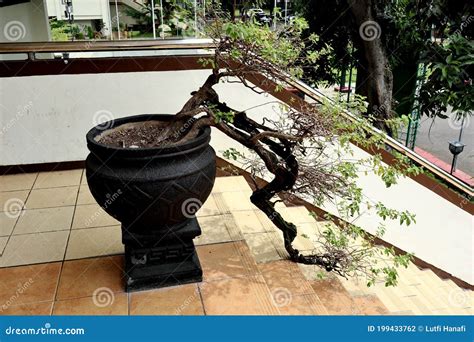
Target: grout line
(60, 230)
(73, 215)
(201, 298)
(57, 287)
(89, 296)
(18, 218)
(129, 303)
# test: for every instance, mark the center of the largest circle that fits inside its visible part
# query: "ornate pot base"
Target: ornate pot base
(165, 260)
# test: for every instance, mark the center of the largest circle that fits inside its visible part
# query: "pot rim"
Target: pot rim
(94, 146)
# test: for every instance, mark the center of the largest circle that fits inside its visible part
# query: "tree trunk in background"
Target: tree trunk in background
(379, 80)
(362, 75)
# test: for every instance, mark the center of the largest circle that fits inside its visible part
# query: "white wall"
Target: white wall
(45, 119)
(26, 22)
(82, 9)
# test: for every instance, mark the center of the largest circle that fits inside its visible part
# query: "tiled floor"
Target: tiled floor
(51, 216)
(62, 255)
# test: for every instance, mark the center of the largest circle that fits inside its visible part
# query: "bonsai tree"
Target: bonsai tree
(308, 150)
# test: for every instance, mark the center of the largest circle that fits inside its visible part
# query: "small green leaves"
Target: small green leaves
(207, 62)
(232, 153)
(224, 116)
(405, 217)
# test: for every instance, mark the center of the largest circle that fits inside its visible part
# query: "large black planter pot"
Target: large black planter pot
(154, 193)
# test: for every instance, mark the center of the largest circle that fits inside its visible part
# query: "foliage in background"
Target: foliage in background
(178, 17)
(63, 31)
(407, 31)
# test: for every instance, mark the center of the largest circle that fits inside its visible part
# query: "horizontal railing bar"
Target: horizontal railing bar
(106, 45)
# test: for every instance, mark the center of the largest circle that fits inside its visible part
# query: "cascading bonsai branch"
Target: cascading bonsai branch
(308, 151)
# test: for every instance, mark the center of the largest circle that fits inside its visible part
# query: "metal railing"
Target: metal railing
(105, 45)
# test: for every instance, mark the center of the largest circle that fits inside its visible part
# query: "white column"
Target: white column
(162, 20)
(118, 21)
(274, 15)
(153, 18)
(195, 18)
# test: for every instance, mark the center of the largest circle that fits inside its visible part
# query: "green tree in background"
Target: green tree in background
(390, 37)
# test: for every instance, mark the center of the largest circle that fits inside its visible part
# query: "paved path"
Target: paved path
(435, 141)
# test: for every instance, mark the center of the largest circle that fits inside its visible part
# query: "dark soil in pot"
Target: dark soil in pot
(154, 192)
(144, 134)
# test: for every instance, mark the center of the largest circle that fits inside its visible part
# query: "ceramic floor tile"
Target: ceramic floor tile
(103, 303)
(311, 272)
(81, 278)
(91, 242)
(34, 248)
(214, 230)
(36, 282)
(277, 240)
(370, 305)
(44, 220)
(299, 305)
(11, 202)
(7, 222)
(58, 178)
(226, 260)
(54, 197)
(92, 215)
(297, 215)
(285, 275)
(84, 178)
(179, 300)
(22, 181)
(237, 201)
(234, 231)
(237, 296)
(85, 196)
(334, 297)
(32, 309)
(262, 247)
(3, 243)
(265, 221)
(303, 243)
(248, 222)
(230, 184)
(209, 208)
